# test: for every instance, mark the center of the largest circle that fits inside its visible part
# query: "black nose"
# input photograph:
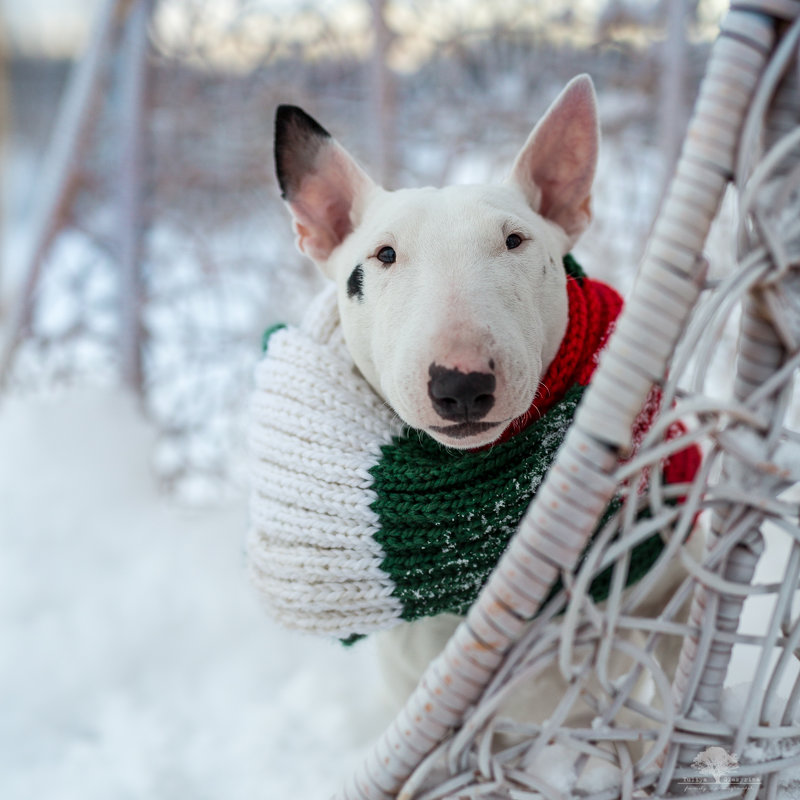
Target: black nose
(460, 396)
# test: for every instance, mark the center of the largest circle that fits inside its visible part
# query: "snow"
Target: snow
(136, 661)
(734, 700)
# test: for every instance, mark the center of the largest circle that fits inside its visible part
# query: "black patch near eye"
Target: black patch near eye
(513, 240)
(355, 283)
(387, 255)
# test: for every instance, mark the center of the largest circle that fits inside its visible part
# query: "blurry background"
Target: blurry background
(144, 249)
(422, 92)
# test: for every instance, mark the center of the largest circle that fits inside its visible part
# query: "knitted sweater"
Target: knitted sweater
(358, 522)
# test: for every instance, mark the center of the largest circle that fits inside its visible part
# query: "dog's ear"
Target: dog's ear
(555, 169)
(321, 183)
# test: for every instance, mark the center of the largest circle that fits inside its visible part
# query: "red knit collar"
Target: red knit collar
(593, 309)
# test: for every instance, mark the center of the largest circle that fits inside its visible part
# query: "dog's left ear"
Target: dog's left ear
(555, 169)
(321, 183)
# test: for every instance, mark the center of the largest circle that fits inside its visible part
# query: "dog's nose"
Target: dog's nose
(460, 396)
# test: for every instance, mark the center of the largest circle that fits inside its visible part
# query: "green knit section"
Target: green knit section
(268, 332)
(574, 269)
(446, 516)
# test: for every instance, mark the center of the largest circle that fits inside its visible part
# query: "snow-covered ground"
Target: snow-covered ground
(135, 659)
(136, 662)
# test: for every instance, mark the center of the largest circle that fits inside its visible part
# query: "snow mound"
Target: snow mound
(136, 662)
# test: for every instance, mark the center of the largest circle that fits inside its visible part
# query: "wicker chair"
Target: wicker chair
(692, 737)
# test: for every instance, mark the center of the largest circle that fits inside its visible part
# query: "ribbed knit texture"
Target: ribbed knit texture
(358, 522)
(446, 516)
(316, 427)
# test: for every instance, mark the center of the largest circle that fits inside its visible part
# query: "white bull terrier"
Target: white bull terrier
(453, 301)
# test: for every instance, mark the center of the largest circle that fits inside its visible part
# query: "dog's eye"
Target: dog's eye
(513, 240)
(387, 255)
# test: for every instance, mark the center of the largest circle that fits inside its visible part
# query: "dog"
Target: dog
(453, 301)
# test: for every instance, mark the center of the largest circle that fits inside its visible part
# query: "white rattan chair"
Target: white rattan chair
(443, 744)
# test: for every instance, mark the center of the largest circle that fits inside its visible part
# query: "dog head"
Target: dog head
(453, 301)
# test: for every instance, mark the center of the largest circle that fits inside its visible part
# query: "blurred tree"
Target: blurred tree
(5, 109)
(61, 177)
(383, 91)
(675, 106)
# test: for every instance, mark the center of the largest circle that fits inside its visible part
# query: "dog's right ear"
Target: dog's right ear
(321, 183)
(556, 167)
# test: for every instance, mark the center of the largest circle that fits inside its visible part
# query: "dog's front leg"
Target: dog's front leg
(405, 651)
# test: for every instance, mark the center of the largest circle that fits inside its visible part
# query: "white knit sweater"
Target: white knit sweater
(316, 428)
